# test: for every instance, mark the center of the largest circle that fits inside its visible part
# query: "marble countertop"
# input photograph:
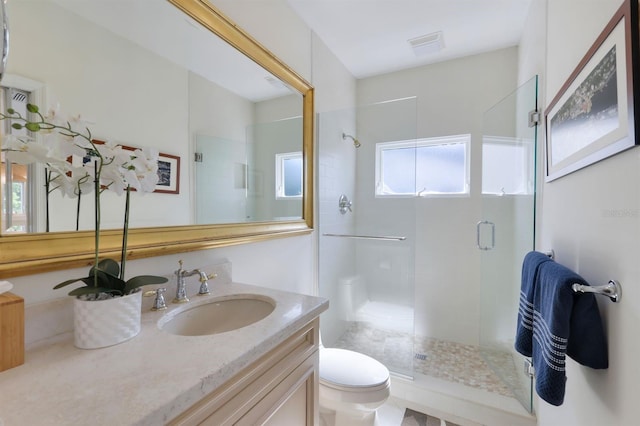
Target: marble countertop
(149, 379)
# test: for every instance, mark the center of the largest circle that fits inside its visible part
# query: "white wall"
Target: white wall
(590, 218)
(452, 97)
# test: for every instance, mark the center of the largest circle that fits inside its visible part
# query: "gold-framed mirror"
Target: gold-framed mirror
(24, 254)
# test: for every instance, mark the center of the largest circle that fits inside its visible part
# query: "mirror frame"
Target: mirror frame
(28, 254)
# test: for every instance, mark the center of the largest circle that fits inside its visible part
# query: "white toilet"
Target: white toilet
(352, 387)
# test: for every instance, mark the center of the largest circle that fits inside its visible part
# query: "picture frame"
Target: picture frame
(595, 114)
(168, 174)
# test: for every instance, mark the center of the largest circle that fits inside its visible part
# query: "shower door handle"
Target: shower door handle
(493, 235)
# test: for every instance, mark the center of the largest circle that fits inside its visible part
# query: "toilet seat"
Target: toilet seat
(350, 371)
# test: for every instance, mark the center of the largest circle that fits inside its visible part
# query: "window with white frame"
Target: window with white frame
(289, 175)
(423, 167)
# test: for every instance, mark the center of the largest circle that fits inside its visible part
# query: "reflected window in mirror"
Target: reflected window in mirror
(289, 175)
(18, 180)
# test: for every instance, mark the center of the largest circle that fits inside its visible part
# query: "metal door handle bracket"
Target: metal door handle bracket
(493, 235)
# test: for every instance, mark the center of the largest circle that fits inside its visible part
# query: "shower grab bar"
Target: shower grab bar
(366, 237)
(611, 289)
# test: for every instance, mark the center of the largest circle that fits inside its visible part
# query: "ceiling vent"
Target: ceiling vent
(427, 44)
(275, 82)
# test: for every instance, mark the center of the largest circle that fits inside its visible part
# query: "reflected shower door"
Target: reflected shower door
(369, 281)
(506, 231)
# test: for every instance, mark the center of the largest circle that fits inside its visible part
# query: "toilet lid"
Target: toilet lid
(351, 369)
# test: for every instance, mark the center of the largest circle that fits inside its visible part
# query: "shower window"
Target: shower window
(423, 167)
(289, 175)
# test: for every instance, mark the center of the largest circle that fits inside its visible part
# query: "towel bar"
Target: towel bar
(611, 289)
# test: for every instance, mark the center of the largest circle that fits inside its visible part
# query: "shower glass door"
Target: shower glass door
(506, 231)
(366, 251)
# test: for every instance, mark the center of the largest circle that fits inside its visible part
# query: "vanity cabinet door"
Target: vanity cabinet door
(291, 403)
(281, 388)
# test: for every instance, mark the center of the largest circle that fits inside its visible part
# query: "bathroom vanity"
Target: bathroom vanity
(263, 373)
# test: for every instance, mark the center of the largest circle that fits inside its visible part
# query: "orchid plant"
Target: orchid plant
(105, 166)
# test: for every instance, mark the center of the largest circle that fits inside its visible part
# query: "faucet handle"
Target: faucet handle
(204, 284)
(159, 303)
(204, 277)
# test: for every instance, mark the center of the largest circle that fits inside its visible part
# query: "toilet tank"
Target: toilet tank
(354, 295)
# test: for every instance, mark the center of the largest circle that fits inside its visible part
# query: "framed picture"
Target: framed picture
(168, 174)
(595, 112)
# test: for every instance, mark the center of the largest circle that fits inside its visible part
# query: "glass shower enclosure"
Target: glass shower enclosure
(385, 247)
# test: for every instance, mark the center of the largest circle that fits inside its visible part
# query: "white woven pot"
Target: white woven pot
(102, 323)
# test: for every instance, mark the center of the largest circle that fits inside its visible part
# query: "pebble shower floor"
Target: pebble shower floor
(442, 359)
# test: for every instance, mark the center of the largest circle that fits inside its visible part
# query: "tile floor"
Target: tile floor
(390, 414)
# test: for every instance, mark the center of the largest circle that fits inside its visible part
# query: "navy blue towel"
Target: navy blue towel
(564, 323)
(524, 332)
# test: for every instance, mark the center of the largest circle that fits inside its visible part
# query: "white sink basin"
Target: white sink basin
(217, 315)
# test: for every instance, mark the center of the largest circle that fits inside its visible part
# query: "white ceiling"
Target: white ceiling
(370, 37)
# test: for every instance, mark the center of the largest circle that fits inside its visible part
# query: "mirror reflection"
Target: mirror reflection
(229, 133)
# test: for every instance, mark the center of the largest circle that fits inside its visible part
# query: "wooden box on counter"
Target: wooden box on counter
(11, 331)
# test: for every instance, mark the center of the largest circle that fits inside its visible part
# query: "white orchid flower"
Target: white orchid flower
(62, 167)
(21, 150)
(131, 178)
(145, 163)
(73, 184)
(113, 178)
(62, 147)
(113, 154)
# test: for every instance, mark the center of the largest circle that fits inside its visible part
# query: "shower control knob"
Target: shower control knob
(344, 204)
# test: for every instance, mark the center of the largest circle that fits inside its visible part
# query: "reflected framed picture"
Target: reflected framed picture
(168, 174)
(595, 113)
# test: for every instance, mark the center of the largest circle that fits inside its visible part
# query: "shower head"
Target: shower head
(356, 142)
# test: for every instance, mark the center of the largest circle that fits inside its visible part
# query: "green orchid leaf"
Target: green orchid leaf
(102, 279)
(67, 282)
(89, 281)
(107, 266)
(109, 281)
(141, 280)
